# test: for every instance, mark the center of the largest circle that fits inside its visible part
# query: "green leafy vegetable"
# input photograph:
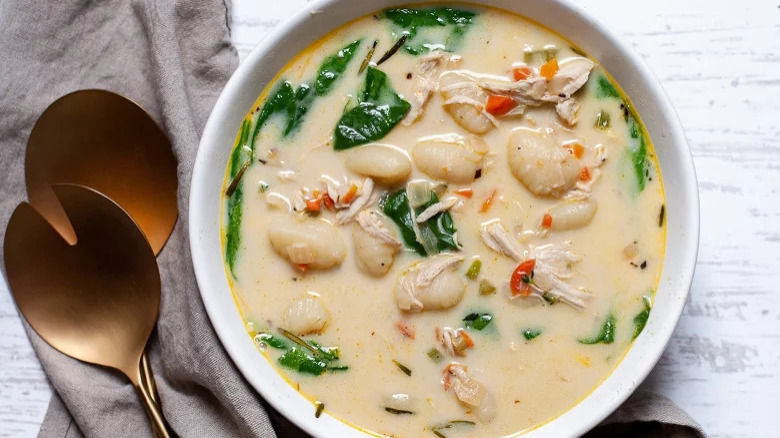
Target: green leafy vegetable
(333, 67)
(473, 272)
(403, 368)
(239, 159)
(605, 88)
(299, 360)
(272, 341)
(640, 320)
(638, 154)
(486, 287)
(297, 108)
(602, 120)
(379, 109)
(477, 321)
(606, 335)
(430, 28)
(529, 334)
(441, 226)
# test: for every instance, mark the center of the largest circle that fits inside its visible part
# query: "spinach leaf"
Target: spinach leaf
(297, 108)
(640, 320)
(477, 321)
(606, 335)
(279, 101)
(272, 341)
(380, 108)
(396, 207)
(529, 334)
(299, 360)
(333, 67)
(605, 88)
(412, 21)
(638, 153)
(241, 155)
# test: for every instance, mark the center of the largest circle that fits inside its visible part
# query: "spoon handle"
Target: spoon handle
(147, 379)
(159, 425)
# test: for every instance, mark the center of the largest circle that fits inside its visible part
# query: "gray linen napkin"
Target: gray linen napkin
(173, 57)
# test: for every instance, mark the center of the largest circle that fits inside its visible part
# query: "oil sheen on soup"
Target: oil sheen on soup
(443, 221)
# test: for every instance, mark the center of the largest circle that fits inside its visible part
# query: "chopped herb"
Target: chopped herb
(602, 120)
(606, 335)
(435, 355)
(398, 411)
(605, 88)
(414, 21)
(473, 272)
(403, 368)
(368, 57)
(661, 216)
(550, 298)
(529, 334)
(486, 287)
(320, 407)
(441, 226)
(339, 368)
(477, 321)
(640, 320)
(448, 425)
(333, 67)
(379, 109)
(390, 52)
(272, 341)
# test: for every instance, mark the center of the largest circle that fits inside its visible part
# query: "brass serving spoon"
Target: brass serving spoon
(105, 141)
(95, 300)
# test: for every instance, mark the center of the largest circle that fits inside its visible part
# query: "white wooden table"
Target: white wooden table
(720, 63)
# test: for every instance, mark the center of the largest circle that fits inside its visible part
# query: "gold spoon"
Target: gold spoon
(105, 141)
(95, 300)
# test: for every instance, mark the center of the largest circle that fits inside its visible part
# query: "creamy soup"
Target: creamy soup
(443, 222)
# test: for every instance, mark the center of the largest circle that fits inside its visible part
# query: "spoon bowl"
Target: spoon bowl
(95, 300)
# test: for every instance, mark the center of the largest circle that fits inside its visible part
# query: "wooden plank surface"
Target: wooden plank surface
(720, 64)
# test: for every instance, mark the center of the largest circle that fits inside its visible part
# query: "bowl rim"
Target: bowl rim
(590, 410)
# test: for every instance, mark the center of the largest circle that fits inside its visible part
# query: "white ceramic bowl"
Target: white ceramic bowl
(291, 37)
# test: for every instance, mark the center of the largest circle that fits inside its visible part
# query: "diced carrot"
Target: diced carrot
(521, 73)
(467, 338)
(499, 105)
(313, 205)
(328, 201)
(302, 266)
(405, 329)
(547, 220)
(576, 149)
(466, 193)
(549, 69)
(584, 174)
(350, 195)
(488, 202)
(520, 283)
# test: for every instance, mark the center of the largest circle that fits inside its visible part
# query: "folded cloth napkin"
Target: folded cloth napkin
(173, 57)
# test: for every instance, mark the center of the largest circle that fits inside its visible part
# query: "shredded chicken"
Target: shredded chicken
(372, 224)
(583, 189)
(426, 77)
(457, 379)
(433, 210)
(553, 265)
(344, 216)
(568, 110)
(454, 341)
(497, 238)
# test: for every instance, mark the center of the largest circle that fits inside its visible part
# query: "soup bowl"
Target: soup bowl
(563, 17)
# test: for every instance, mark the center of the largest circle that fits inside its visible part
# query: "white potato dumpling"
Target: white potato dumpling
(305, 316)
(465, 101)
(450, 157)
(571, 215)
(542, 165)
(315, 244)
(445, 291)
(373, 256)
(385, 164)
